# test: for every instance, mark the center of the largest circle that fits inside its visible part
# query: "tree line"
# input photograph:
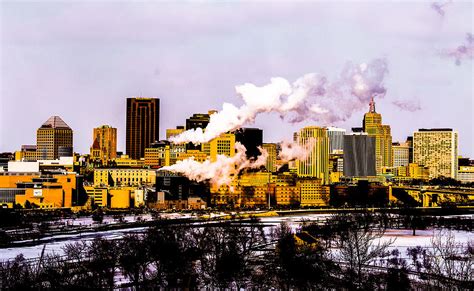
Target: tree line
(347, 251)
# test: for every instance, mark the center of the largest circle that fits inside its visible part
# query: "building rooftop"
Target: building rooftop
(435, 129)
(55, 122)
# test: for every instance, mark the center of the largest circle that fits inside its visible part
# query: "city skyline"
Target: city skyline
(50, 69)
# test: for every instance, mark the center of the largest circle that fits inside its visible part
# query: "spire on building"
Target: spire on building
(372, 105)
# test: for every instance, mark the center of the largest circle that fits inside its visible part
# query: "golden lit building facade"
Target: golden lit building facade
(222, 145)
(317, 163)
(104, 146)
(271, 149)
(313, 192)
(54, 139)
(372, 125)
(400, 154)
(124, 177)
(437, 149)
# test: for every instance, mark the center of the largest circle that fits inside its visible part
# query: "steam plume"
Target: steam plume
(407, 105)
(222, 170)
(462, 52)
(309, 97)
(293, 151)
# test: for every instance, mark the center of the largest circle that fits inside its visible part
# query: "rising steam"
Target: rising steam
(222, 170)
(309, 97)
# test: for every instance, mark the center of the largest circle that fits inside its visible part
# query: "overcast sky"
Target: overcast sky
(82, 60)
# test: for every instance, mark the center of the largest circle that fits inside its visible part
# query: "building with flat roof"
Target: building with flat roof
(143, 125)
(437, 148)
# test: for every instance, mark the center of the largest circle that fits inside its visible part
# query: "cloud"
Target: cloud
(440, 7)
(407, 105)
(462, 52)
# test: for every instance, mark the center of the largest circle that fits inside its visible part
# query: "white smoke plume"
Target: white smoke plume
(309, 97)
(407, 105)
(462, 52)
(293, 151)
(220, 172)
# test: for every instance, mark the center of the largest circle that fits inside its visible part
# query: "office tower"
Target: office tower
(199, 120)
(400, 154)
(104, 146)
(221, 145)
(336, 139)
(54, 139)
(251, 138)
(437, 149)
(317, 163)
(359, 155)
(143, 125)
(409, 143)
(372, 125)
(271, 149)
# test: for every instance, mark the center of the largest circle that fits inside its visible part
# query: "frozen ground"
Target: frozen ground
(403, 237)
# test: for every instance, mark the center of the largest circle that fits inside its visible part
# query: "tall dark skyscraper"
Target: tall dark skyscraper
(143, 125)
(359, 155)
(251, 138)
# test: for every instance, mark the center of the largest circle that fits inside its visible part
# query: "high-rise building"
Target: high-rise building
(143, 125)
(336, 139)
(400, 154)
(317, 163)
(409, 143)
(437, 149)
(54, 139)
(104, 146)
(359, 155)
(198, 120)
(251, 139)
(271, 149)
(372, 125)
(221, 145)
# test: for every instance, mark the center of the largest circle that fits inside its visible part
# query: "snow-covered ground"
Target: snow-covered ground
(403, 237)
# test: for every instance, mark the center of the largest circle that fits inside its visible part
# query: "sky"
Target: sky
(81, 60)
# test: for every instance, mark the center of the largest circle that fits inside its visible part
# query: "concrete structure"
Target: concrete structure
(143, 125)
(437, 149)
(54, 139)
(372, 125)
(317, 163)
(104, 146)
(359, 155)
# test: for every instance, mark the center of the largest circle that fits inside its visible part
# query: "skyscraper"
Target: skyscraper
(143, 125)
(317, 163)
(372, 125)
(336, 139)
(54, 139)
(251, 138)
(104, 145)
(359, 155)
(271, 148)
(437, 149)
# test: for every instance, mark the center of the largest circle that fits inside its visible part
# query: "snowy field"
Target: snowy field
(403, 237)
